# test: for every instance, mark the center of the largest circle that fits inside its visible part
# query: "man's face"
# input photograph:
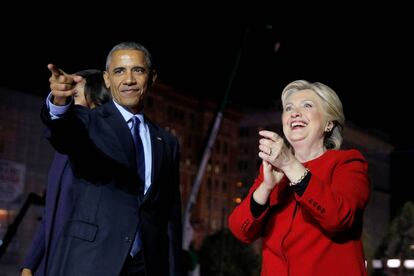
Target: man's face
(128, 77)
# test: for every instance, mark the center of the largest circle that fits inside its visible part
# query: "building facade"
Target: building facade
(25, 157)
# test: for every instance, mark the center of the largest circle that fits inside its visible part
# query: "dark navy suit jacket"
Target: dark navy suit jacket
(59, 204)
(98, 236)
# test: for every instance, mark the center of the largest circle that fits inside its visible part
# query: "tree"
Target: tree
(400, 238)
(222, 254)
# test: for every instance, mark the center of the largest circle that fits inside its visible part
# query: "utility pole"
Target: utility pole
(188, 230)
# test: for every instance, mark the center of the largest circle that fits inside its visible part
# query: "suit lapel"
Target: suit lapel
(113, 136)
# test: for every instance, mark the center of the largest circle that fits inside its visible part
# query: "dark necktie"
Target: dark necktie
(139, 149)
(140, 159)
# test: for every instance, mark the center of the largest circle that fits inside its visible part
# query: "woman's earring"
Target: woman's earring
(329, 127)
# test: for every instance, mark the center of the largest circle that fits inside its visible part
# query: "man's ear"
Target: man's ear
(106, 79)
(153, 77)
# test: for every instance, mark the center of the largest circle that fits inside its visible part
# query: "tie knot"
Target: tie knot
(135, 124)
(135, 121)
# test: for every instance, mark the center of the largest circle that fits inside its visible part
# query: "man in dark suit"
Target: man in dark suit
(127, 214)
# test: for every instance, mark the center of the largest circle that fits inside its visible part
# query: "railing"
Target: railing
(32, 199)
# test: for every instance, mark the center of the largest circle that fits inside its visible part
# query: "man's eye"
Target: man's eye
(139, 70)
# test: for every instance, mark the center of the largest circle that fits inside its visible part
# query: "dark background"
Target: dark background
(365, 53)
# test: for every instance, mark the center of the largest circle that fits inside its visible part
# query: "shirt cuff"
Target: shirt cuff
(56, 111)
(256, 208)
(301, 186)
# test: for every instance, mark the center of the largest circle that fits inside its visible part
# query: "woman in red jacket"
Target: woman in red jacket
(308, 201)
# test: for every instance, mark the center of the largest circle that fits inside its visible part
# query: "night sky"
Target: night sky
(364, 54)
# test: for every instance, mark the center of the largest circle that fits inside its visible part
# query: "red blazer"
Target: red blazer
(318, 233)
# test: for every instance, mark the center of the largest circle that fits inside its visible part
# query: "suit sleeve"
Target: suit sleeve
(242, 222)
(175, 220)
(68, 133)
(338, 202)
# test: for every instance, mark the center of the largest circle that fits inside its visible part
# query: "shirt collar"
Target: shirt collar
(128, 115)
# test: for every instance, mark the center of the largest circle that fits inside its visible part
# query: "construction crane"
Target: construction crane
(188, 230)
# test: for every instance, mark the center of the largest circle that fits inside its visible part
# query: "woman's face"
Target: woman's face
(303, 119)
(79, 96)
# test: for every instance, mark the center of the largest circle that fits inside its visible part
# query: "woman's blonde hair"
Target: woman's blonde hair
(331, 105)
